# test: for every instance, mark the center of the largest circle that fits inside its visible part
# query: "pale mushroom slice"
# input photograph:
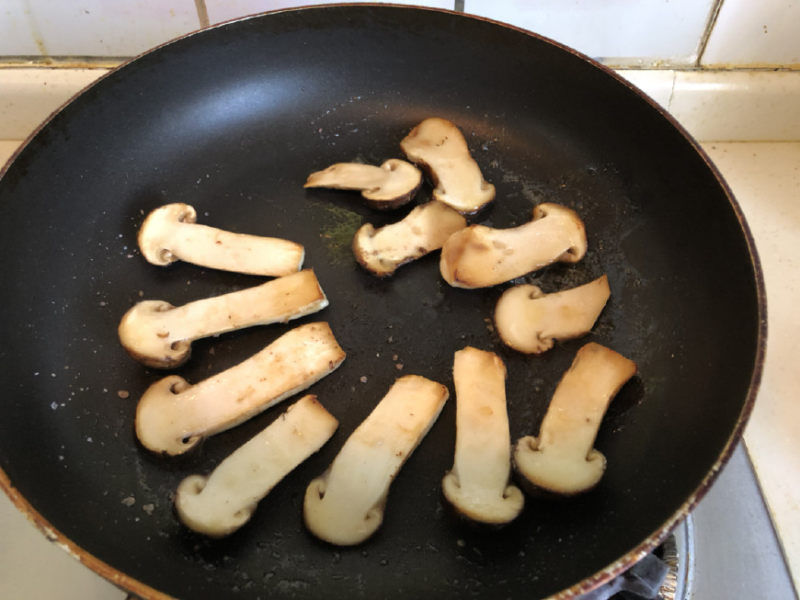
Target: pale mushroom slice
(170, 233)
(438, 146)
(561, 460)
(480, 256)
(528, 320)
(381, 251)
(160, 335)
(220, 503)
(173, 416)
(389, 186)
(478, 485)
(345, 505)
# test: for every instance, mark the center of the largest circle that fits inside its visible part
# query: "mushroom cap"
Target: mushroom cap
(157, 228)
(137, 339)
(386, 187)
(557, 472)
(571, 223)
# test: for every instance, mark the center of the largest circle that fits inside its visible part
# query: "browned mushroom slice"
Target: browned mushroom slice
(478, 484)
(561, 459)
(530, 321)
(439, 147)
(220, 503)
(159, 334)
(345, 505)
(391, 185)
(423, 230)
(170, 233)
(480, 256)
(173, 416)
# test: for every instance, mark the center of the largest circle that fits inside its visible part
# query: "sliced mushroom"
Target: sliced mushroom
(481, 256)
(345, 505)
(160, 335)
(478, 484)
(389, 186)
(173, 416)
(561, 460)
(380, 251)
(438, 146)
(220, 503)
(530, 321)
(170, 233)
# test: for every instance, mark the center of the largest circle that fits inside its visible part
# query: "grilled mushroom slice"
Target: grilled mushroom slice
(530, 321)
(170, 233)
(173, 416)
(478, 484)
(345, 505)
(160, 335)
(561, 459)
(220, 503)
(480, 256)
(389, 186)
(423, 230)
(438, 146)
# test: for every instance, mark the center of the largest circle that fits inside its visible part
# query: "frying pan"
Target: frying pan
(231, 120)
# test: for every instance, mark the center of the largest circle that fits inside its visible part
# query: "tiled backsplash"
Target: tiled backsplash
(629, 33)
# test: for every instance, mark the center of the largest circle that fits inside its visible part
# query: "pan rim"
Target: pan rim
(133, 585)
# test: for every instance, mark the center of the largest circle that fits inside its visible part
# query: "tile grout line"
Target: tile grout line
(202, 13)
(712, 21)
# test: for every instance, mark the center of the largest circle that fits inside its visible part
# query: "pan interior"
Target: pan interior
(231, 121)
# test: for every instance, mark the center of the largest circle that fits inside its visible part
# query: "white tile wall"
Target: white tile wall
(16, 26)
(94, 27)
(618, 32)
(755, 32)
(224, 10)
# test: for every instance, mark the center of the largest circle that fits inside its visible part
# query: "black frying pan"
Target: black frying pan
(232, 120)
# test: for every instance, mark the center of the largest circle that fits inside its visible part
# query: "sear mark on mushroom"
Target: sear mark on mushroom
(562, 460)
(381, 251)
(480, 256)
(478, 484)
(438, 146)
(345, 505)
(389, 186)
(170, 233)
(528, 320)
(173, 416)
(220, 503)
(159, 334)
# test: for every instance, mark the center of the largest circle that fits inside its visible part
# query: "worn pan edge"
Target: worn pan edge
(133, 585)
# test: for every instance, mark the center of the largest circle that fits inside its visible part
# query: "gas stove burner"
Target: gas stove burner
(666, 574)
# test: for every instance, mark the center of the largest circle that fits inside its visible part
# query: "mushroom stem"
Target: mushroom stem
(173, 416)
(345, 504)
(478, 484)
(218, 504)
(480, 256)
(561, 459)
(170, 233)
(159, 334)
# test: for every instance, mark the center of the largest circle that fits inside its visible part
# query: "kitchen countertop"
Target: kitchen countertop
(765, 177)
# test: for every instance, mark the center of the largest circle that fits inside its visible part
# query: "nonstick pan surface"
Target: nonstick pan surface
(231, 121)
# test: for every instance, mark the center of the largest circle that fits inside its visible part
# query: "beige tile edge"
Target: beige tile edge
(712, 105)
